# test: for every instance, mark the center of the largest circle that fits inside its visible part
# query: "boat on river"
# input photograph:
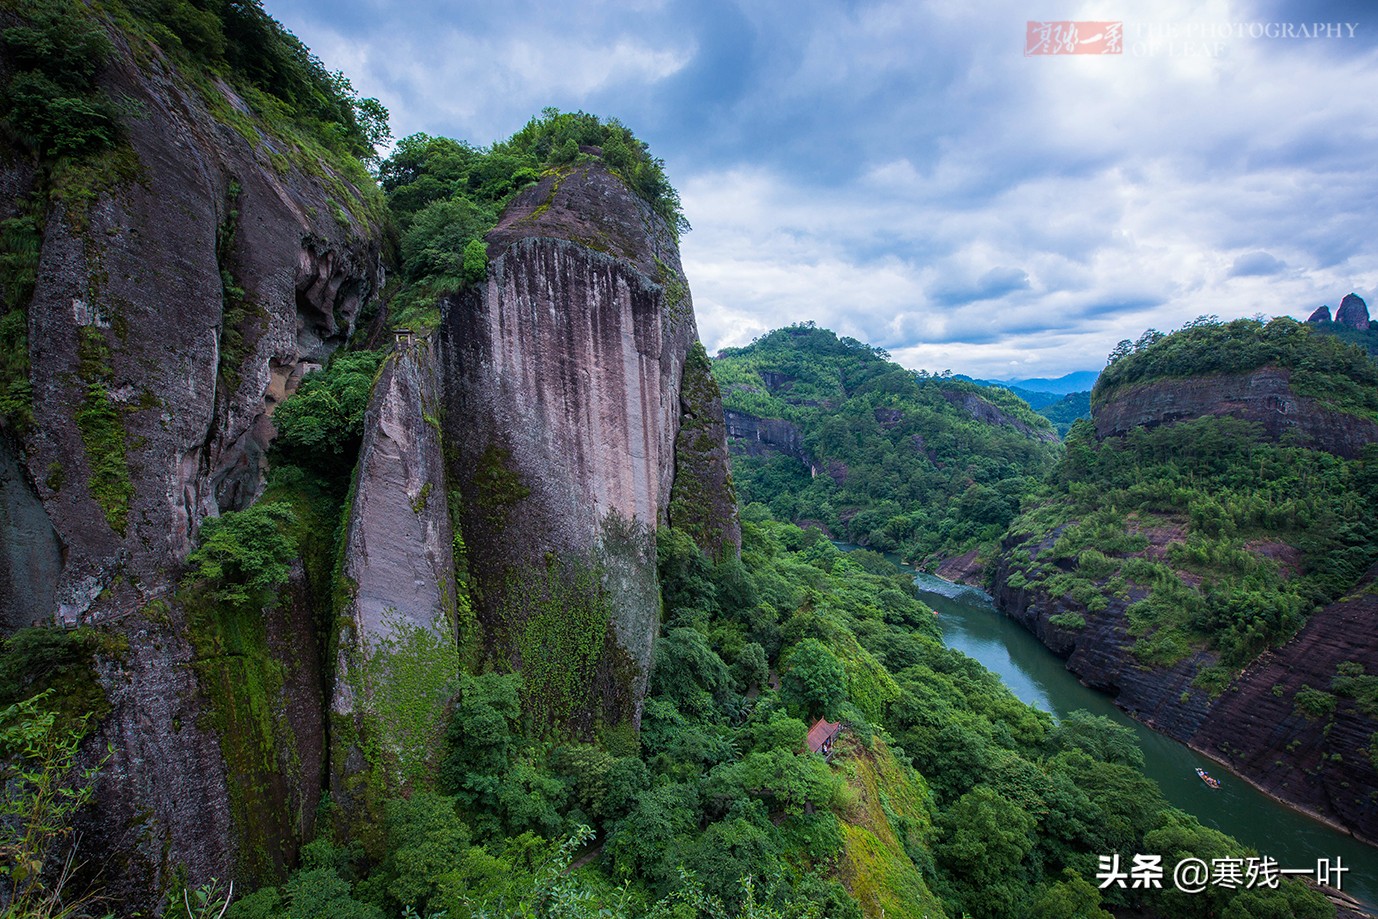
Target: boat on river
(1206, 777)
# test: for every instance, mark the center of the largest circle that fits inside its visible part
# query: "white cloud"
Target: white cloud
(902, 173)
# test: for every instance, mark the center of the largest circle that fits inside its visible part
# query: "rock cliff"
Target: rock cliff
(183, 286)
(763, 436)
(396, 652)
(565, 393)
(1099, 650)
(1152, 591)
(1312, 699)
(1263, 395)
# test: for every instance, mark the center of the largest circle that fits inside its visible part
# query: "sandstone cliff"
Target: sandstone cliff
(1263, 395)
(763, 436)
(396, 654)
(181, 293)
(1146, 574)
(1313, 700)
(564, 378)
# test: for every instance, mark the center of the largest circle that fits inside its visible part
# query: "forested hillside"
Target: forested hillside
(1222, 496)
(926, 466)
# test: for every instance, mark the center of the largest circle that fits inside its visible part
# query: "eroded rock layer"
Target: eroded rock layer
(1263, 395)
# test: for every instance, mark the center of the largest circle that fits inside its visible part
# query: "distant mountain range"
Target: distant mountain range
(1077, 381)
(1061, 401)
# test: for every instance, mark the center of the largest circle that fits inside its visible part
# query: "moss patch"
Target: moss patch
(401, 692)
(561, 624)
(102, 431)
(702, 498)
(885, 836)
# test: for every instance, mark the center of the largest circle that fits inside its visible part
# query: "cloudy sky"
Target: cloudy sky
(905, 173)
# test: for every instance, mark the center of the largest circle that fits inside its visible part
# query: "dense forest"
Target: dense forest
(926, 466)
(1262, 532)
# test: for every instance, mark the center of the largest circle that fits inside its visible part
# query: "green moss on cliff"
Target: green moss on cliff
(703, 502)
(401, 691)
(42, 658)
(560, 623)
(21, 242)
(102, 431)
(240, 585)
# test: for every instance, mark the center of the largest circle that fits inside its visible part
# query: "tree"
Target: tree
(244, 554)
(813, 679)
(1070, 898)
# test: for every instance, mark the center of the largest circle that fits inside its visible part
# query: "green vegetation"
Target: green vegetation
(901, 462)
(1324, 367)
(322, 424)
(446, 195)
(42, 788)
(945, 796)
(1223, 539)
(284, 84)
(51, 102)
(102, 430)
(1211, 535)
(1067, 410)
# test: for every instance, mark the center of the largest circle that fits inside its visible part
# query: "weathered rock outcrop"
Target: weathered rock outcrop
(1353, 312)
(988, 413)
(175, 303)
(966, 568)
(1300, 719)
(1319, 758)
(763, 436)
(1322, 314)
(1264, 396)
(563, 388)
(397, 649)
(1099, 652)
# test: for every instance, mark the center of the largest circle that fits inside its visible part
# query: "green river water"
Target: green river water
(972, 625)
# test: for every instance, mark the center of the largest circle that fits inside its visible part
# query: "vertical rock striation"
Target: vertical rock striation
(396, 649)
(564, 377)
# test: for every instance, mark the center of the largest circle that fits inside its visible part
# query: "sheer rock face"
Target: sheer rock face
(1099, 653)
(398, 563)
(763, 436)
(1322, 314)
(563, 385)
(134, 284)
(130, 321)
(1320, 762)
(1263, 395)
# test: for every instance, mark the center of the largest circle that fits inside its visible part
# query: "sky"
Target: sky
(906, 174)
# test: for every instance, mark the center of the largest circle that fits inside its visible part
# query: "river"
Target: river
(971, 624)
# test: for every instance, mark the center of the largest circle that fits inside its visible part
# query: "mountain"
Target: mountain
(1076, 381)
(830, 431)
(266, 618)
(1212, 522)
